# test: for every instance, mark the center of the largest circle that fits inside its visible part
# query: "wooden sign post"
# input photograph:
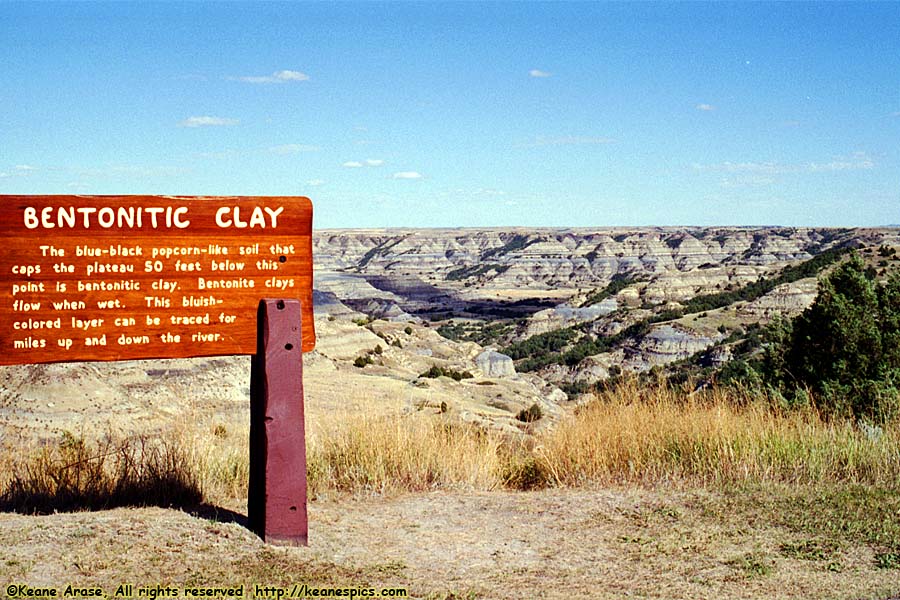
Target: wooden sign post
(277, 498)
(86, 278)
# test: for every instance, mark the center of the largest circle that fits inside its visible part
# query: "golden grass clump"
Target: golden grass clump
(653, 433)
(383, 455)
(217, 454)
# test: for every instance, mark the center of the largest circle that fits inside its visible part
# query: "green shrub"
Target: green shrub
(435, 371)
(541, 344)
(531, 414)
(475, 271)
(887, 560)
(518, 242)
(526, 473)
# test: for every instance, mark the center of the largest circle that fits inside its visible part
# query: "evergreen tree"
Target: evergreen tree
(846, 347)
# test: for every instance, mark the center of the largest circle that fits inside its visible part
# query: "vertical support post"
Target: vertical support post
(276, 503)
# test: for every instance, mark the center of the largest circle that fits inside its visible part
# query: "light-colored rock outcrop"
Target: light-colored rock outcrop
(790, 299)
(668, 343)
(495, 364)
(565, 316)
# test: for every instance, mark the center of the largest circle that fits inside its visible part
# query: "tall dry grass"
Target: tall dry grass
(77, 474)
(653, 433)
(218, 455)
(636, 433)
(357, 454)
(385, 455)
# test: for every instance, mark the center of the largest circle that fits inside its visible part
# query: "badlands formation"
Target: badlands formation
(392, 305)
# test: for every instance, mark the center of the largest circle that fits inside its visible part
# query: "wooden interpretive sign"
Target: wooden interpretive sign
(89, 278)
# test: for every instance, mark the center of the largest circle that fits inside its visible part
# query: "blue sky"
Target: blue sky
(464, 114)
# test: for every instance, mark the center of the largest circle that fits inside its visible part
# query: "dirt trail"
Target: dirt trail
(609, 543)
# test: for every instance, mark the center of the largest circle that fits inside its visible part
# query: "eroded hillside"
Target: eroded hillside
(498, 327)
(574, 306)
(461, 268)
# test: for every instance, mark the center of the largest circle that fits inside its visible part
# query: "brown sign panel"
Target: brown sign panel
(127, 277)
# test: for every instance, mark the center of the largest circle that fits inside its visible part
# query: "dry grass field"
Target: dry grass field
(645, 492)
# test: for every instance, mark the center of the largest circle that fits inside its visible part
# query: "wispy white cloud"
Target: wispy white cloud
(488, 192)
(369, 162)
(567, 140)
(291, 76)
(293, 148)
(19, 171)
(276, 77)
(126, 171)
(539, 73)
(745, 180)
(705, 107)
(230, 153)
(315, 182)
(207, 121)
(745, 167)
(859, 160)
(855, 162)
(407, 175)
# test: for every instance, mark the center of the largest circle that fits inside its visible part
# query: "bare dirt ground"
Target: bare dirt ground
(606, 543)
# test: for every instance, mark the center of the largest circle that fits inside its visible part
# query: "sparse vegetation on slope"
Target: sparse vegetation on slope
(382, 249)
(619, 282)
(518, 242)
(569, 347)
(763, 286)
(542, 343)
(475, 271)
(483, 333)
